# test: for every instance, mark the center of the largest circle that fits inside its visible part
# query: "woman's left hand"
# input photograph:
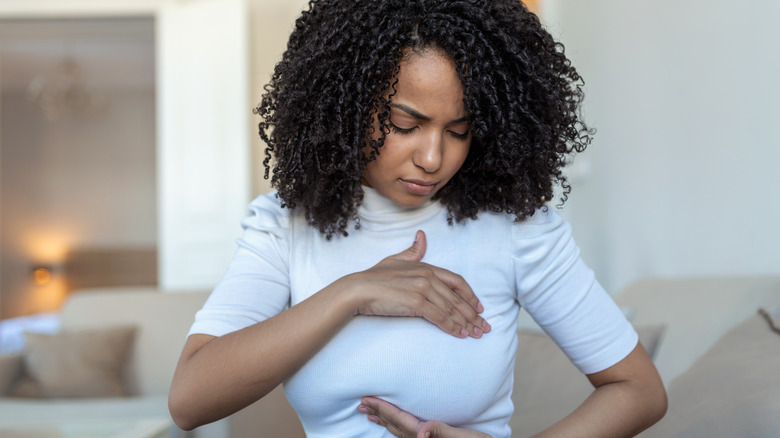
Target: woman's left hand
(403, 424)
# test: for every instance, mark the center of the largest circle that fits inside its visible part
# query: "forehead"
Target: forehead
(429, 82)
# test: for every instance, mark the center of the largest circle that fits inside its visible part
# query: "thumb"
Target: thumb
(415, 252)
(431, 429)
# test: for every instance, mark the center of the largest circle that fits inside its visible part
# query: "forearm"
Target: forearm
(223, 375)
(613, 410)
(618, 407)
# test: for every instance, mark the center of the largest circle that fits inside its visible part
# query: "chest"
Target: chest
(409, 361)
(482, 258)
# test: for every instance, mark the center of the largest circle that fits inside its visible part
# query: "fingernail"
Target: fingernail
(480, 308)
(485, 326)
(477, 332)
(427, 435)
(464, 333)
(417, 236)
(362, 409)
(373, 419)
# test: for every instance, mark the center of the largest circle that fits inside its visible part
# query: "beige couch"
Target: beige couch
(719, 359)
(161, 321)
(679, 321)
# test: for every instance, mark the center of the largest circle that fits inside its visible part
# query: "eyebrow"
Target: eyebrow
(416, 114)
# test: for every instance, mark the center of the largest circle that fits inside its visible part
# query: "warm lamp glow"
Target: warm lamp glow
(41, 275)
(47, 247)
(533, 5)
(45, 251)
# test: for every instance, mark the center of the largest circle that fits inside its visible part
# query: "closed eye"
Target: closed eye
(401, 131)
(460, 136)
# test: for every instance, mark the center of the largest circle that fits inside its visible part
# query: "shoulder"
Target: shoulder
(544, 221)
(543, 235)
(543, 217)
(267, 213)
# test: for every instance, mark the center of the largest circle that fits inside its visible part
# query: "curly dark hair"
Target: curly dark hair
(337, 76)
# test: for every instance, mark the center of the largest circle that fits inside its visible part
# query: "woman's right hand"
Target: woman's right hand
(402, 285)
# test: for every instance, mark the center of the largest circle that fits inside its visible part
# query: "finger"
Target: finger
(389, 426)
(394, 418)
(433, 429)
(428, 430)
(459, 285)
(415, 252)
(452, 302)
(440, 318)
(453, 308)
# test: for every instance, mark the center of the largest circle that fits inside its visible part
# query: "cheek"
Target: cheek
(459, 157)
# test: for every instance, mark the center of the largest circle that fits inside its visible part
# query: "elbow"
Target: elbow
(180, 414)
(660, 405)
(655, 404)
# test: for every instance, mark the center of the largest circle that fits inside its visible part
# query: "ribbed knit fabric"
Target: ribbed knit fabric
(409, 361)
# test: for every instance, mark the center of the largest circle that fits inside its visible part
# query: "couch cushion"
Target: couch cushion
(696, 312)
(11, 366)
(772, 316)
(83, 363)
(732, 390)
(14, 411)
(162, 319)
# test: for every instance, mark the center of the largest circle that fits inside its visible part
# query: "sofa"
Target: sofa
(683, 323)
(718, 356)
(150, 327)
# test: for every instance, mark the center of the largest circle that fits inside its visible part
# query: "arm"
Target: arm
(217, 376)
(563, 296)
(628, 398)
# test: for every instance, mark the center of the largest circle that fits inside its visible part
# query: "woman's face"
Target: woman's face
(429, 137)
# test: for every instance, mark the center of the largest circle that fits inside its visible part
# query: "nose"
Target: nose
(428, 154)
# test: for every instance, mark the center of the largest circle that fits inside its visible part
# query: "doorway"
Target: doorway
(77, 151)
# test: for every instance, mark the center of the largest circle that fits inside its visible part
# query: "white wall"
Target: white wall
(88, 181)
(680, 178)
(272, 22)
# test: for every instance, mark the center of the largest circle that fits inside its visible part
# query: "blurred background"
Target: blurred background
(680, 179)
(128, 149)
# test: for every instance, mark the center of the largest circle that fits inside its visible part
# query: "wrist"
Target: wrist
(345, 295)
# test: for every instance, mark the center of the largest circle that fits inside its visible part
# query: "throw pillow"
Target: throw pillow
(732, 390)
(548, 386)
(772, 316)
(84, 363)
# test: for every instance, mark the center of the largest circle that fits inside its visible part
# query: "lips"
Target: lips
(419, 187)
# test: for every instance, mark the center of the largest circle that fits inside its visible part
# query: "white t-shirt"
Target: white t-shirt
(409, 362)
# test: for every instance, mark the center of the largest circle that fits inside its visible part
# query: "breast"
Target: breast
(410, 363)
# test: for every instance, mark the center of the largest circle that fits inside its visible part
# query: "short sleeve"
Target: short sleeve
(256, 285)
(562, 295)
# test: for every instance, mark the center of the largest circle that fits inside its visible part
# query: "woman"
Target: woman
(445, 124)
